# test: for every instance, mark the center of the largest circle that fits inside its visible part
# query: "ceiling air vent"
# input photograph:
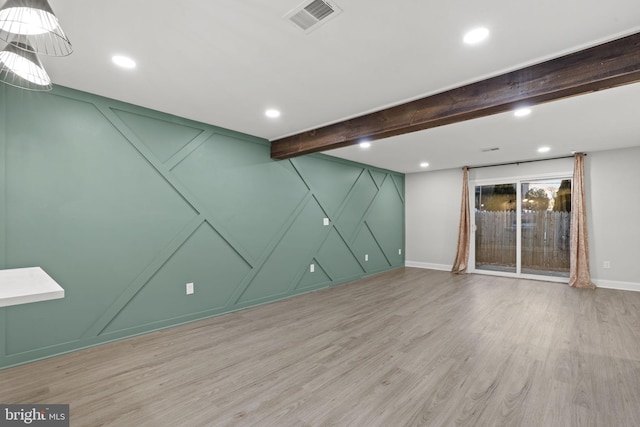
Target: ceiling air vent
(310, 15)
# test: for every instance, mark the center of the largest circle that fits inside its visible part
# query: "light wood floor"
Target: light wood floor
(408, 347)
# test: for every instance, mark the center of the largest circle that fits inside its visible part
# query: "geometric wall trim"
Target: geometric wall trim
(215, 277)
(378, 177)
(384, 217)
(319, 276)
(352, 217)
(123, 206)
(365, 245)
(164, 138)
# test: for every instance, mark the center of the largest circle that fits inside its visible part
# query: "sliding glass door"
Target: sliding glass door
(522, 227)
(496, 237)
(545, 225)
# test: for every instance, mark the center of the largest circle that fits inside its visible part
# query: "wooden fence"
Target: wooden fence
(545, 239)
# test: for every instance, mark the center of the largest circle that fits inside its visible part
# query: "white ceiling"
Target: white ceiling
(224, 62)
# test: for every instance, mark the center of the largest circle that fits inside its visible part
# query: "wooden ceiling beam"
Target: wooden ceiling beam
(601, 67)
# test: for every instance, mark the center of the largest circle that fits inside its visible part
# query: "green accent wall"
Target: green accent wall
(123, 206)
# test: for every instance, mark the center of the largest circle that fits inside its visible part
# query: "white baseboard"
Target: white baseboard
(428, 265)
(612, 284)
(604, 284)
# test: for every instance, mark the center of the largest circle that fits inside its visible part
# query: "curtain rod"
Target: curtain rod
(517, 163)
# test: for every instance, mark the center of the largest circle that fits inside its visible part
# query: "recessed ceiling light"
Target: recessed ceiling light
(544, 149)
(272, 114)
(365, 144)
(424, 165)
(521, 112)
(123, 61)
(476, 35)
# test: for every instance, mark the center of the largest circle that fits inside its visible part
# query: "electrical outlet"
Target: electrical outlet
(366, 257)
(312, 268)
(189, 288)
(325, 221)
(399, 251)
(607, 264)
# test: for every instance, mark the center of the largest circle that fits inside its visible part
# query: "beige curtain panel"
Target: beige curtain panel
(579, 276)
(464, 233)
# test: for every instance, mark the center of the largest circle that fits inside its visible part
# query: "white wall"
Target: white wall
(432, 214)
(612, 179)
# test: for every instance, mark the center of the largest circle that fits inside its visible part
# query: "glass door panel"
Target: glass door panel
(496, 226)
(545, 224)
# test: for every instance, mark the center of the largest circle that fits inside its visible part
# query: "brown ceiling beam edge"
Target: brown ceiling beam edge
(600, 67)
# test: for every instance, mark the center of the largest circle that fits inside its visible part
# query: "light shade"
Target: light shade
(20, 67)
(33, 23)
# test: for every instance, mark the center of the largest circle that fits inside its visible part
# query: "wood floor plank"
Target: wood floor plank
(407, 347)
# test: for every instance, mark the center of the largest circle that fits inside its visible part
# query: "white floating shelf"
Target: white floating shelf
(25, 285)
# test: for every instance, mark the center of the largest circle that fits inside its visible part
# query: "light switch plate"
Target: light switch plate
(325, 221)
(312, 268)
(189, 288)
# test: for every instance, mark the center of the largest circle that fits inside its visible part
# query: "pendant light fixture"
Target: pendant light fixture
(29, 27)
(21, 67)
(33, 23)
